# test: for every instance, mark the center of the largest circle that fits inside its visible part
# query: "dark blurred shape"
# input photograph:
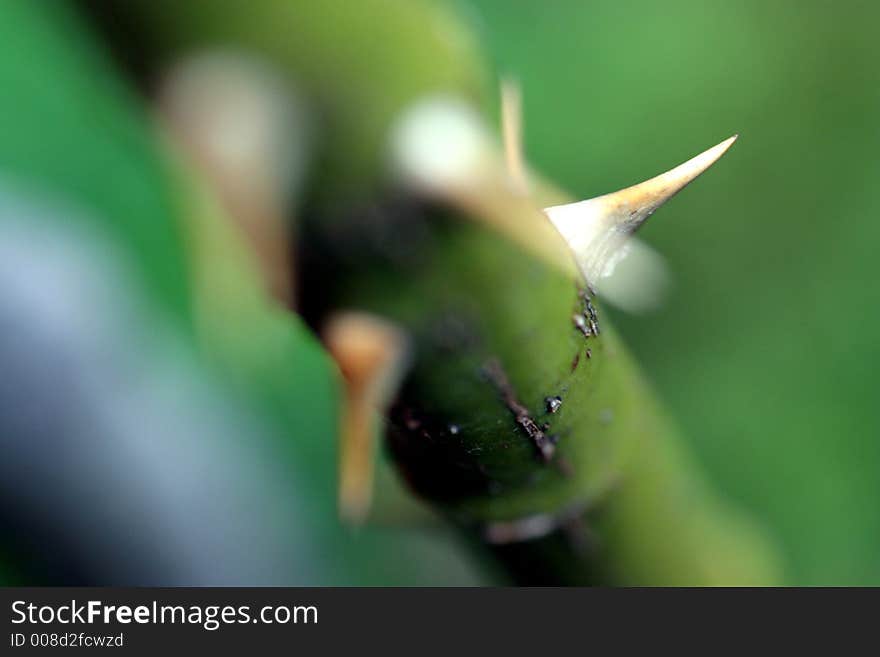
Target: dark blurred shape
(125, 464)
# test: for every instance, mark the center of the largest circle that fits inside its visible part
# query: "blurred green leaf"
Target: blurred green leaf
(70, 130)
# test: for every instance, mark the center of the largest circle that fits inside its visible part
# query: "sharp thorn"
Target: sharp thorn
(596, 229)
(628, 208)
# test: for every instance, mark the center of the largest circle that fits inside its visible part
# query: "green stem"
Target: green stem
(492, 327)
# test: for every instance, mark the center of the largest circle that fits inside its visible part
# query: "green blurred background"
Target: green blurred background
(767, 350)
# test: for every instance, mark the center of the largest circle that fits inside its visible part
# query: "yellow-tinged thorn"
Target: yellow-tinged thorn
(635, 204)
(371, 354)
(243, 128)
(595, 229)
(512, 132)
(628, 208)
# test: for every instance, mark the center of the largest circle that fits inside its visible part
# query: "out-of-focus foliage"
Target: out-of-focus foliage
(70, 129)
(766, 352)
(161, 420)
(333, 51)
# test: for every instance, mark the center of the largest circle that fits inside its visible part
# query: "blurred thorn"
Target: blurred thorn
(440, 144)
(241, 125)
(441, 147)
(596, 229)
(371, 354)
(512, 133)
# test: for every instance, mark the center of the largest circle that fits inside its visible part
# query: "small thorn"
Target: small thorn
(596, 229)
(371, 354)
(512, 131)
(440, 145)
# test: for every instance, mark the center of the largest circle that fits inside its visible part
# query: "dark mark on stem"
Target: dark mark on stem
(587, 319)
(520, 413)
